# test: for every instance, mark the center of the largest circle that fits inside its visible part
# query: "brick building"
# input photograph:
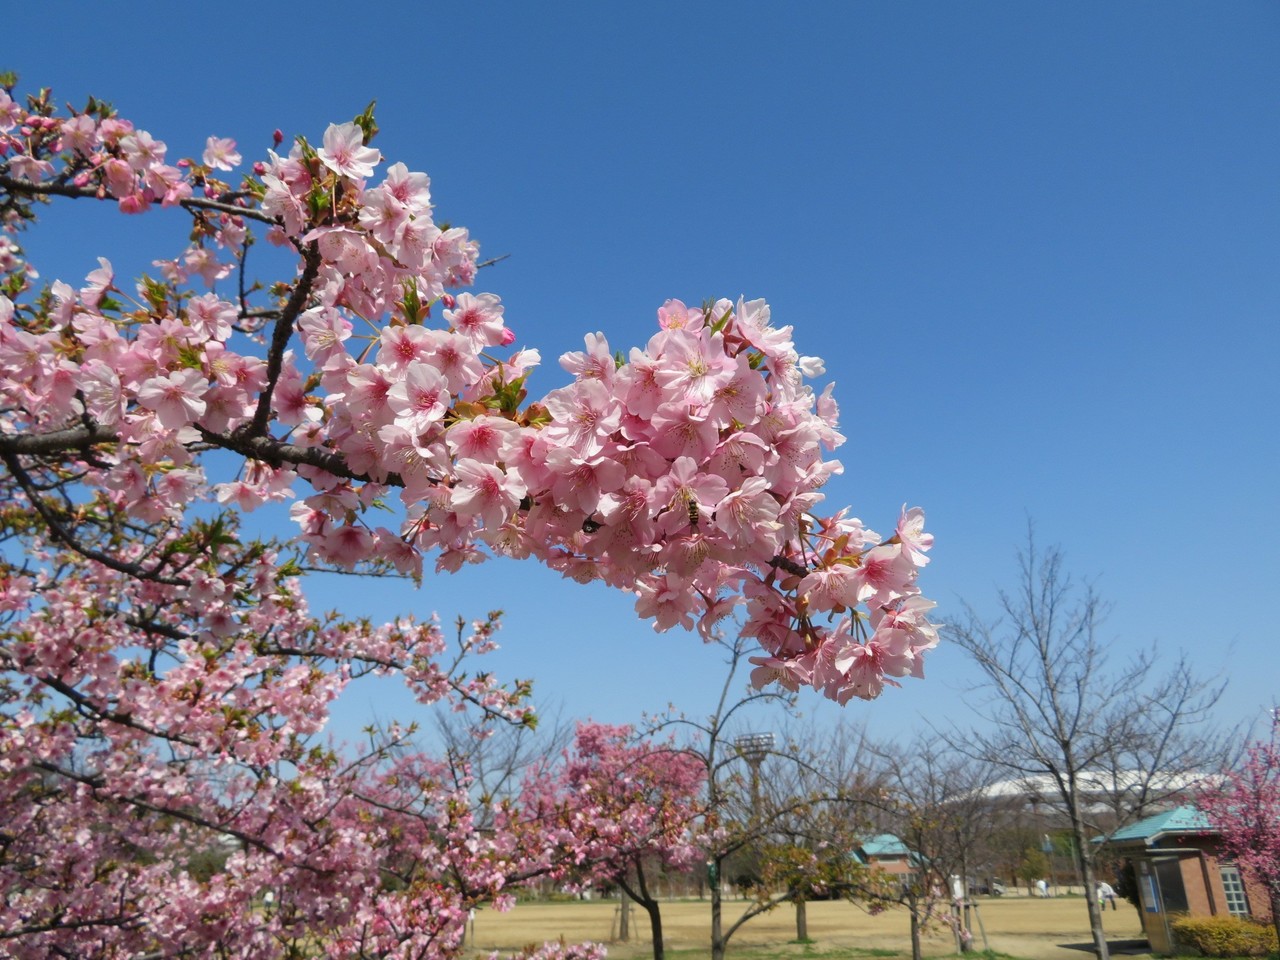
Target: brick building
(1175, 860)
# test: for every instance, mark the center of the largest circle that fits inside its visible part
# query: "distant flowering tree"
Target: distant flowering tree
(1245, 805)
(626, 806)
(163, 685)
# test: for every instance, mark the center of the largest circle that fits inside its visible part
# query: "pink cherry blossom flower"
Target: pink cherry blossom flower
(220, 153)
(79, 133)
(29, 168)
(420, 399)
(694, 366)
(790, 674)
(679, 432)
(323, 330)
(579, 482)
(211, 318)
(583, 416)
(911, 535)
(177, 399)
(482, 490)
(749, 515)
(142, 150)
(596, 363)
(280, 201)
(203, 261)
(121, 179)
(411, 189)
(345, 153)
(168, 183)
(10, 112)
(487, 439)
(479, 319)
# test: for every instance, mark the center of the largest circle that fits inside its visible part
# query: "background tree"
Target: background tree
(626, 806)
(822, 806)
(1244, 803)
(741, 814)
(1034, 866)
(932, 798)
(1129, 736)
(498, 757)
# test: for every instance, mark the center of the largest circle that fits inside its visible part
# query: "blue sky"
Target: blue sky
(1035, 243)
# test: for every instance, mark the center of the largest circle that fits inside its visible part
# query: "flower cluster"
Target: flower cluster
(687, 472)
(614, 798)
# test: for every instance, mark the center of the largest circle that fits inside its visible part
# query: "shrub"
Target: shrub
(1225, 936)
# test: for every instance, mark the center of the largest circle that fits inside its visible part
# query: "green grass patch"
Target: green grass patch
(792, 950)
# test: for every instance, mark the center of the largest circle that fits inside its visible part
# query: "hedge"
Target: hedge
(1225, 936)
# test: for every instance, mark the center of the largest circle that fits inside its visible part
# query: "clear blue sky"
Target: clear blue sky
(1036, 244)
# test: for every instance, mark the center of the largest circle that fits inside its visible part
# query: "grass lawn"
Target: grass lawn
(1031, 928)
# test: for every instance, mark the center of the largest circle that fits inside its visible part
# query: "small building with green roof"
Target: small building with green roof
(1177, 871)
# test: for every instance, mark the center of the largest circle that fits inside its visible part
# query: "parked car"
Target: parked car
(990, 887)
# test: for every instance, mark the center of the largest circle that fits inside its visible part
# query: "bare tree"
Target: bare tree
(747, 815)
(823, 803)
(933, 799)
(1112, 742)
(496, 763)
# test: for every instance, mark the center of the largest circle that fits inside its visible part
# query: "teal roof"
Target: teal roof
(884, 845)
(1184, 819)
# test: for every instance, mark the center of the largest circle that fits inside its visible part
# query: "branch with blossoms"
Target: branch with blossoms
(687, 472)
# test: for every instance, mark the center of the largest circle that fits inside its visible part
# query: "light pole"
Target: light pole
(753, 748)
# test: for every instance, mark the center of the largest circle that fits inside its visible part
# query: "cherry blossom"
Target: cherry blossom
(165, 685)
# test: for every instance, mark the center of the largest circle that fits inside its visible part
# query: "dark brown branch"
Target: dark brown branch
(279, 452)
(280, 337)
(270, 451)
(57, 441)
(64, 536)
(29, 188)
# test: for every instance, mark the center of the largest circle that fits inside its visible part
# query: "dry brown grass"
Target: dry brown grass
(1054, 929)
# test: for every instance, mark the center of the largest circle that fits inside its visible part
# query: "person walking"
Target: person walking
(1106, 894)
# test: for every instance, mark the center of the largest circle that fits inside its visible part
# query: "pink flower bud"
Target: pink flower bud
(259, 167)
(184, 163)
(278, 137)
(508, 336)
(447, 300)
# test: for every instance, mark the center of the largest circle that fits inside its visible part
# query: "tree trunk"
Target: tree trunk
(624, 916)
(802, 919)
(1275, 912)
(1084, 863)
(916, 953)
(717, 928)
(641, 894)
(655, 927)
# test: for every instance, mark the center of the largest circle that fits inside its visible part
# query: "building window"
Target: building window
(1233, 886)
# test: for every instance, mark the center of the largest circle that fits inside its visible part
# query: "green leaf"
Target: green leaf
(366, 123)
